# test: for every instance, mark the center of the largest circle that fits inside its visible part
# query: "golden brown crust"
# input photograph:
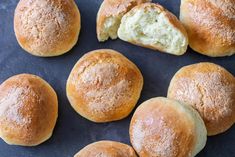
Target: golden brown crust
(210, 26)
(114, 8)
(47, 27)
(210, 89)
(104, 86)
(107, 149)
(160, 127)
(28, 110)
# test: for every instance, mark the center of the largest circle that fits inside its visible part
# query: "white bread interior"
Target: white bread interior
(150, 27)
(110, 28)
(110, 14)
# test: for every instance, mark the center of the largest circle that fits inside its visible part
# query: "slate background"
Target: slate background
(73, 132)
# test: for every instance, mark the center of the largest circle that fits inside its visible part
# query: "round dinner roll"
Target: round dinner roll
(152, 26)
(104, 86)
(210, 25)
(47, 28)
(162, 127)
(28, 110)
(110, 15)
(210, 89)
(106, 149)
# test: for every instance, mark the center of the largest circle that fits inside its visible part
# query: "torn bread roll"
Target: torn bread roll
(110, 15)
(210, 25)
(104, 86)
(151, 26)
(162, 127)
(28, 110)
(47, 28)
(210, 89)
(106, 149)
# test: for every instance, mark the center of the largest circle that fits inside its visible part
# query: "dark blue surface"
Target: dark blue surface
(73, 132)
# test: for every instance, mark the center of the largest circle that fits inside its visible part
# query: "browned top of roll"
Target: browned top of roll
(106, 149)
(104, 86)
(210, 25)
(47, 27)
(115, 7)
(210, 89)
(162, 127)
(28, 110)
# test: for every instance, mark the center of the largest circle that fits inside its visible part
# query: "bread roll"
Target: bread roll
(47, 27)
(150, 25)
(28, 110)
(162, 127)
(210, 89)
(210, 25)
(110, 15)
(106, 149)
(104, 86)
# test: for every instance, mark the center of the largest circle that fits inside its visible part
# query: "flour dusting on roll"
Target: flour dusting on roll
(28, 110)
(210, 25)
(104, 86)
(210, 89)
(107, 149)
(162, 127)
(47, 28)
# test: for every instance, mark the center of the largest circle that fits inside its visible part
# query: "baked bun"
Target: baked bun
(104, 86)
(162, 127)
(110, 15)
(150, 25)
(47, 27)
(28, 110)
(106, 149)
(210, 25)
(210, 89)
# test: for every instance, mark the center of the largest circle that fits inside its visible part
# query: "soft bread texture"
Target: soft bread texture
(104, 86)
(110, 15)
(106, 149)
(210, 89)
(150, 25)
(28, 110)
(47, 27)
(162, 127)
(210, 25)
